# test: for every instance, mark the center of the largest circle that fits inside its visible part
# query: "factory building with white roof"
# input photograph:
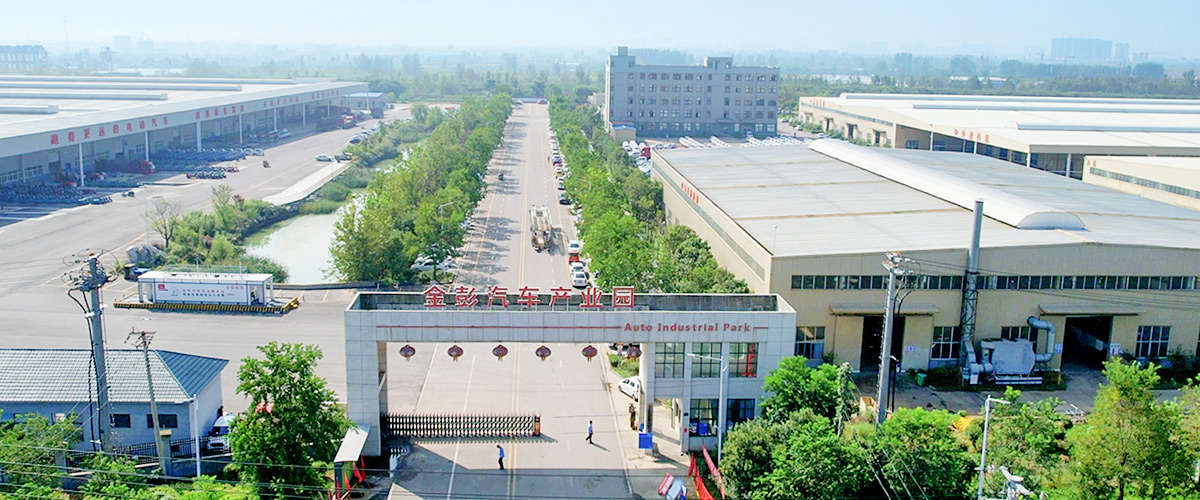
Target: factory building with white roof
(52, 128)
(1114, 273)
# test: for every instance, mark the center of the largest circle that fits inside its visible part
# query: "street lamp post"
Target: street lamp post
(721, 404)
(987, 415)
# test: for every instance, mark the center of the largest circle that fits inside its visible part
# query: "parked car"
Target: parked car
(324, 158)
(579, 279)
(559, 183)
(563, 200)
(632, 387)
(574, 246)
(576, 266)
(218, 436)
(423, 263)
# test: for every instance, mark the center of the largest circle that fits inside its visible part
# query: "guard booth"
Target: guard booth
(347, 464)
(206, 288)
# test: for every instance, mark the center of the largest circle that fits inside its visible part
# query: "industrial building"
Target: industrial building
(1048, 133)
(717, 98)
(1112, 273)
(1169, 180)
(54, 129)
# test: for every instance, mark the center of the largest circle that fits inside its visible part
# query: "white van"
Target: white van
(632, 387)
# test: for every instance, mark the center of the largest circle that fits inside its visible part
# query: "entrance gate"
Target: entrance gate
(374, 319)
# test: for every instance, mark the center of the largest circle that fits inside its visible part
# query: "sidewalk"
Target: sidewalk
(645, 472)
(308, 184)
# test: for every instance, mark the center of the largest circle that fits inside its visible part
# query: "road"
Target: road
(37, 313)
(565, 389)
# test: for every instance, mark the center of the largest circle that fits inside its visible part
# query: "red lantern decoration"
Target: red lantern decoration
(543, 352)
(407, 351)
(500, 352)
(589, 352)
(633, 352)
(454, 351)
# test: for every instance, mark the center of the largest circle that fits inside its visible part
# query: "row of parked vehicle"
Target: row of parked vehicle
(62, 195)
(560, 168)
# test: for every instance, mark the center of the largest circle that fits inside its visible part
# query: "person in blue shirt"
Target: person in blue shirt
(589, 438)
(501, 456)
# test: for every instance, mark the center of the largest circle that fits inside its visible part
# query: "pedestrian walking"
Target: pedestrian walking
(589, 438)
(501, 450)
(632, 417)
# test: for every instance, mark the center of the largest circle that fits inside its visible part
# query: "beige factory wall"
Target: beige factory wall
(1175, 176)
(685, 211)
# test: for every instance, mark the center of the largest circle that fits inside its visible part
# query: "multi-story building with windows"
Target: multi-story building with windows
(717, 98)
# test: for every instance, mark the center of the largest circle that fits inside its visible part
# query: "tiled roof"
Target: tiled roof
(66, 375)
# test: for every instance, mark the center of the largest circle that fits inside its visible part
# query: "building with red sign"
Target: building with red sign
(56, 126)
(1112, 272)
(1048, 133)
(753, 333)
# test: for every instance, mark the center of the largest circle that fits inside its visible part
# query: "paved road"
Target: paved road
(37, 313)
(566, 389)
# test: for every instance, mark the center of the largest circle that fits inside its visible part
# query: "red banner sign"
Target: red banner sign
(464, 297)
(712, 469)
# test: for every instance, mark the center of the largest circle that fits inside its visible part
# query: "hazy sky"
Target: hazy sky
(1166, 28)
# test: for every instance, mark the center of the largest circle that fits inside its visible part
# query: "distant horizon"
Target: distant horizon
(922, 27)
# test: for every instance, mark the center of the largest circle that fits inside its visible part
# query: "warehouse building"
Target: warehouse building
(717, 98)
(54, 129)
(1169, 180)
(1113, 273)
(1048, 133)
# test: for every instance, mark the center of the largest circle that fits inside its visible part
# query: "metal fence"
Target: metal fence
(148, 453)
(461, 425)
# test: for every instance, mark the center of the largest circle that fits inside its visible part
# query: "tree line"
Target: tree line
(806, 444)
(416, 208)
(622, 223)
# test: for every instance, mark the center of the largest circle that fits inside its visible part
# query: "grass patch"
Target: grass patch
(625, 367)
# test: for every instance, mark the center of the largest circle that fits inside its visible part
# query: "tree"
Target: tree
(801, 457)
(795, 386)
(918, 452)
(294, 424)
(1129, 444)
(163, 216)
(28, 444)
(1027, 437)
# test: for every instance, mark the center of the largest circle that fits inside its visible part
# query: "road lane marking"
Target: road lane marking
(457, 444)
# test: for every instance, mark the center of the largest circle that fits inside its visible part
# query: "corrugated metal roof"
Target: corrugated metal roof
(66, 375)
(797, 202)
(1085, 125)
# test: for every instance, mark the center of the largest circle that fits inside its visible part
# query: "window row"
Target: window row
(692, 76)
(879, 282)
(759, 128)
(125, 421)
(688, 101)
(706, 359)
(1161, 186)
(704, 414)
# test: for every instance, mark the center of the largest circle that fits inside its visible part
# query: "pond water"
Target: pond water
(300, 245)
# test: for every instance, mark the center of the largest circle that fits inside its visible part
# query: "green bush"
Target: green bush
(334, 191)
(625, 367)
(319, 206)
(944, 377)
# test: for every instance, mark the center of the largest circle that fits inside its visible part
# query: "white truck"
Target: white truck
(539, 226)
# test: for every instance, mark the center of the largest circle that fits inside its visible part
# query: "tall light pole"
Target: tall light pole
(895, 265)
(987, 415)
(720, 399)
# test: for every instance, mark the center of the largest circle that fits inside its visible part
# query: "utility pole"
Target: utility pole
(143, 341)
(987, 417)
(896, 266)
(89, 280)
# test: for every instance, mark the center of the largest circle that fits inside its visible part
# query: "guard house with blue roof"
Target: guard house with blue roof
(56, 383)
